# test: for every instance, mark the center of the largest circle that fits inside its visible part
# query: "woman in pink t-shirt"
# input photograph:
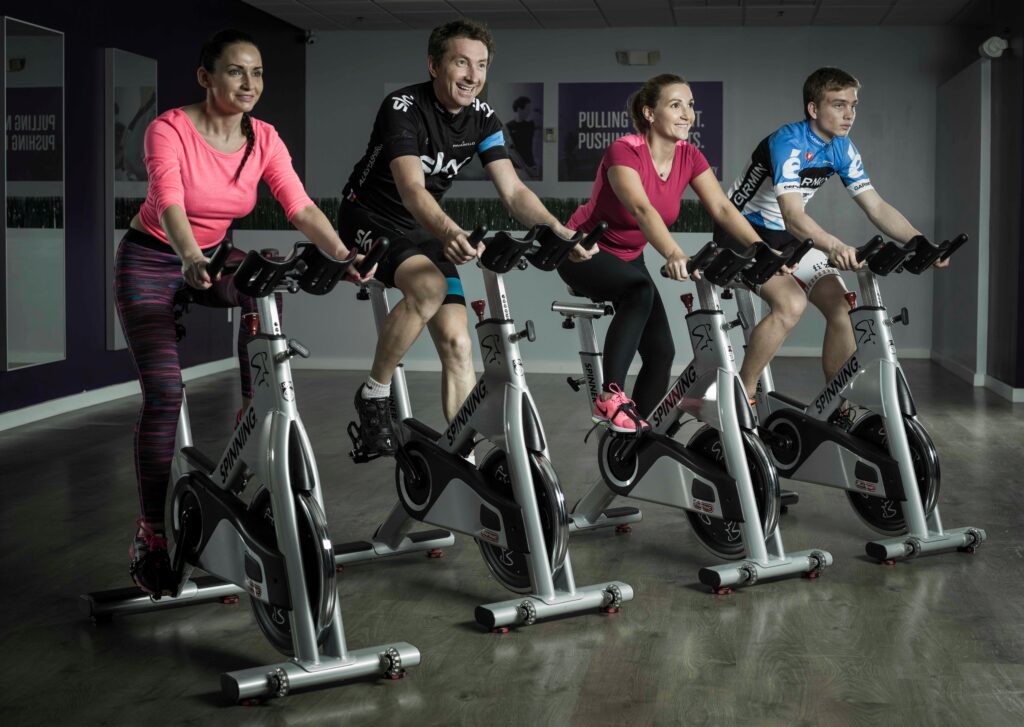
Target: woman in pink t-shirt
(204, 163)
(637, 191)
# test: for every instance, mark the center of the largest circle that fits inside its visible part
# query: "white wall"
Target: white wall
(960, 329)
(762, 70)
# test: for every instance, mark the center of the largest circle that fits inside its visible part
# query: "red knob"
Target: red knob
(252, 323)
(851, 298)
(478, 308)
(687, 299)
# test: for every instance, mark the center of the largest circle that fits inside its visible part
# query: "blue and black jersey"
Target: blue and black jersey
(794, 159)
(411, 122)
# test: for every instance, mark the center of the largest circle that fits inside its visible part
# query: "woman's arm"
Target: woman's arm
(629, 188)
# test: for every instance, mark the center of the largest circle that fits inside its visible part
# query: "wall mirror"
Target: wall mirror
(33, 172)
(130, 106)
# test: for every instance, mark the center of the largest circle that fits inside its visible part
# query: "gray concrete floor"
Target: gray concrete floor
(937, 641)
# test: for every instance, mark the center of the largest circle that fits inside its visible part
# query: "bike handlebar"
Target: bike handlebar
(542, 247)
(219, 259)
(373, 255)
(868, 249)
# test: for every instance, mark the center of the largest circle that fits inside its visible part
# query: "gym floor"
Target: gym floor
(935, 641)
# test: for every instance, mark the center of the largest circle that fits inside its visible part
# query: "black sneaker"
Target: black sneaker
(376, 427)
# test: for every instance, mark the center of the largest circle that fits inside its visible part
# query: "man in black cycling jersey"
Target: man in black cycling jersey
(422, 136)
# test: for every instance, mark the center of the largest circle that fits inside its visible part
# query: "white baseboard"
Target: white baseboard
(1004, 390)
(29, 414)
(959, 370)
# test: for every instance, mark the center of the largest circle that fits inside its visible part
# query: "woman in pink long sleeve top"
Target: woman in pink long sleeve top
(204, 163)
(637, 191)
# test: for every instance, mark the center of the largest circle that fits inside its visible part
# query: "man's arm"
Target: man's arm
(800, 225)
(889, 220)
(525, 206)
(522, 203)
(885, 217)
(407, 172)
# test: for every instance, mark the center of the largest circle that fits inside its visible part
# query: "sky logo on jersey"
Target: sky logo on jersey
(435, 166)
(479, 105)
(401, 103)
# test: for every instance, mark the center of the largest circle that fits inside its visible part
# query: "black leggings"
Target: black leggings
(640, 324)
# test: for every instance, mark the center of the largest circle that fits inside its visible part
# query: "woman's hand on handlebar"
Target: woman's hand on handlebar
(459, 250)
(675, 266)
(844, 257)
(194, 272)
(581, 254)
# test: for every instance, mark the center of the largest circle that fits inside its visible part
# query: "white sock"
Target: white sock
(373, 389)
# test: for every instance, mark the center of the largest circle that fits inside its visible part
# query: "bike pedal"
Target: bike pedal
(722, 591)
(435, 554)
(623, 529)
(399, 675)
(611, 610)
(340, 568)
(499, 630)
(229, 600)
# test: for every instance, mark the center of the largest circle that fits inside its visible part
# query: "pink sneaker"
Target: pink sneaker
(619, 412)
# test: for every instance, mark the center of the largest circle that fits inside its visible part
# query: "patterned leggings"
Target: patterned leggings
(146, 278)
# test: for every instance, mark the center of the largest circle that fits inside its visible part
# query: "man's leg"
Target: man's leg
(787, 301)
(450, 331)
(839, 344)
(423, 288)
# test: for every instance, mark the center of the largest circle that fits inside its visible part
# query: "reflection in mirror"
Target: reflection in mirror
(131, 106)
(33, 243)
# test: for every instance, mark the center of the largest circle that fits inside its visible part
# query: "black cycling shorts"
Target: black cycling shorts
(360, 227)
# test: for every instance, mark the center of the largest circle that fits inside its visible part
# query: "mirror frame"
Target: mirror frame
(4, 312)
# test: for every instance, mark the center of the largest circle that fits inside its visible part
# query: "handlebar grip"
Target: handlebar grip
(218, 260)
(373, 255)
(868, 249)
(595, 235)
(477, 235)
(953, 246)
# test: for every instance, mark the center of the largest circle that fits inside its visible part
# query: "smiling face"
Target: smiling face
(236, 82)
(835, 115)
(672, 117)
(460, 75)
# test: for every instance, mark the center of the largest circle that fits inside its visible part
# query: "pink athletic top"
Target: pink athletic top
(186, 171)
(624, 238)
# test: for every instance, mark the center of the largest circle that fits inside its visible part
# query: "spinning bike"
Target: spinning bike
(722, 478)
(276, 547)
(886, 462)
(511, 504)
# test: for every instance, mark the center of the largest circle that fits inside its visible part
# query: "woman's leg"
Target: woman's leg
(608, 278)
(657, 352)
(144, 285)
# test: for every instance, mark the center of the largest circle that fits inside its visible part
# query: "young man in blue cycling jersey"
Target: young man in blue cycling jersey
(784, 172)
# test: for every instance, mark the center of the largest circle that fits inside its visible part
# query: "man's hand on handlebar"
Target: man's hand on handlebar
(675, 267)
(354, 276)
(459, 250)
(844, 257)
(194, 272)
(940, 263)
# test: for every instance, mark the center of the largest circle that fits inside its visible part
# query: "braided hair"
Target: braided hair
(208, 57)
